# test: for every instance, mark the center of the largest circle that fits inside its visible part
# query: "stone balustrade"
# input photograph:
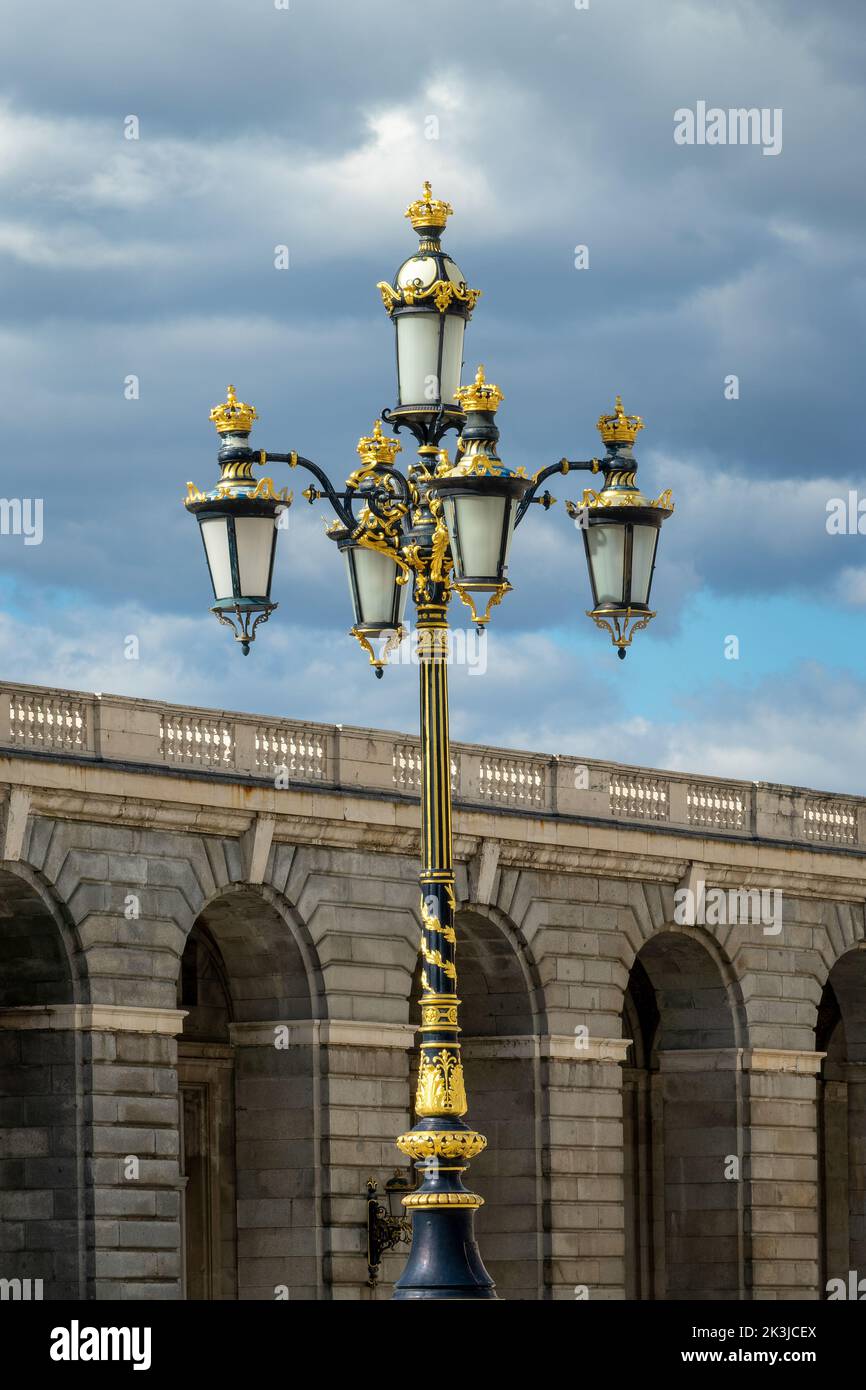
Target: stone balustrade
(150, 733)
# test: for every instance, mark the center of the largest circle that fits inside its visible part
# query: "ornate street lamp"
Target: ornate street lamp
(238, 522)
(621, 532)
(441, 528)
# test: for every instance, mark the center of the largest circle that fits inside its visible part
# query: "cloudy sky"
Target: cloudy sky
(308, 126)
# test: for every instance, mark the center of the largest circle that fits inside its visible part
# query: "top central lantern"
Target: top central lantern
(430, 304)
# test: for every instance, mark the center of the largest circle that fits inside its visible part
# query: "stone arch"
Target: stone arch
(44, 1082)
(840, 1033)
(501, 1018)
(682, 1106)
(248, 1062)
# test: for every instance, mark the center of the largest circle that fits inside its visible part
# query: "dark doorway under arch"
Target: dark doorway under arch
(247, 1082)
(681, 1105)
(44, 1110)
(841, 1033)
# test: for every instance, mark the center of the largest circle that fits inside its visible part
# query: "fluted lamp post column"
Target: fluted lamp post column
(437, 528)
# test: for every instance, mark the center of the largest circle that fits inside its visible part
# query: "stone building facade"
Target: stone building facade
(208, 935)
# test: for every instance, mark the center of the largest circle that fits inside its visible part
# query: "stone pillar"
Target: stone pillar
(43, 1123)
(856, 1074)
(279, 1159)
(134, 1164)
(700, 1171)
(503, 1076)
(834, 1224)
(366, 1105)
(783, 1172)
(583, 1161)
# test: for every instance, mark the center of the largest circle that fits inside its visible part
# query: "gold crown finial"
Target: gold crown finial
(619, 428)
(481, 395)
(428, 213)
(233, 416)
(377, 448)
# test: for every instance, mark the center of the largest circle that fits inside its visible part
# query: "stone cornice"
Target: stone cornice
(109, 1018)
(336, 1032)
(386, 821)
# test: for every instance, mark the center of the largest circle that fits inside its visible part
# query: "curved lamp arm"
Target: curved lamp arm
(336, 499)
(564, 466)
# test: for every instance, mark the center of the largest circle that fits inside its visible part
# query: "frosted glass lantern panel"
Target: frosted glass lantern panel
(642, 556)
(255, 537)
(418, 358)
(607, 555)
(216, 544)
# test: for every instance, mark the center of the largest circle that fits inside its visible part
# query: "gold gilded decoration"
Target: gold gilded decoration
(193, 495)
(390, 297)
(443, 293)
(428, 211)
(440, 548)
(435, 958)
(443, 1199)
(233, 416)
(617, 624)
(375, 450)
(619, 428)
(438, 1015)
(480, 395)
(494, 598)
(432, 923)
(265, 489)
(393, 640)
(441, 1090)
(442, 1143)
(665, 500)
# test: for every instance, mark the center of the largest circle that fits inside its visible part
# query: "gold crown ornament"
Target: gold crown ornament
(481, 395)
(619, 428)
(377, 448)
(428, 212)
(233, 416)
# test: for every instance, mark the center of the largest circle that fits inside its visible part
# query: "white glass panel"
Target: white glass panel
(606, 554)
(643, 550)
(255, 538)
(422, 268)
(375, 576)
(453, 271)
(478, 540)
(418, 358)
(215, 536)
(452, 356)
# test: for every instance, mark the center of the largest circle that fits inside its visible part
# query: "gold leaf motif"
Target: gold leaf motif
(441, 1090)
(433, 924)
(437, 1143)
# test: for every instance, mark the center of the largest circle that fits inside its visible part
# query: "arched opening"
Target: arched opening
(681, 1100)
(500, 1022)
(42, 1111)
(841, 1034)
(246, 1065)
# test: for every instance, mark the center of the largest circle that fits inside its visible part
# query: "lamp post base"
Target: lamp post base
(445, 1261)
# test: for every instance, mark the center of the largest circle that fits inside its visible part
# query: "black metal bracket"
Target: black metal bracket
(564, 466)
(385, 1231)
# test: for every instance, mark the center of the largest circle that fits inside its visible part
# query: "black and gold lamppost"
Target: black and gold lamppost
(435, 529)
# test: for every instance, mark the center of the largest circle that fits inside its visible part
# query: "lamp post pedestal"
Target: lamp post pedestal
(445, 1261)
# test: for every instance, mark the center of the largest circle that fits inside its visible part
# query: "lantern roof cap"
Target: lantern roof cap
(428, 213)
(233, 416)
(619, 428)
(481, 394)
